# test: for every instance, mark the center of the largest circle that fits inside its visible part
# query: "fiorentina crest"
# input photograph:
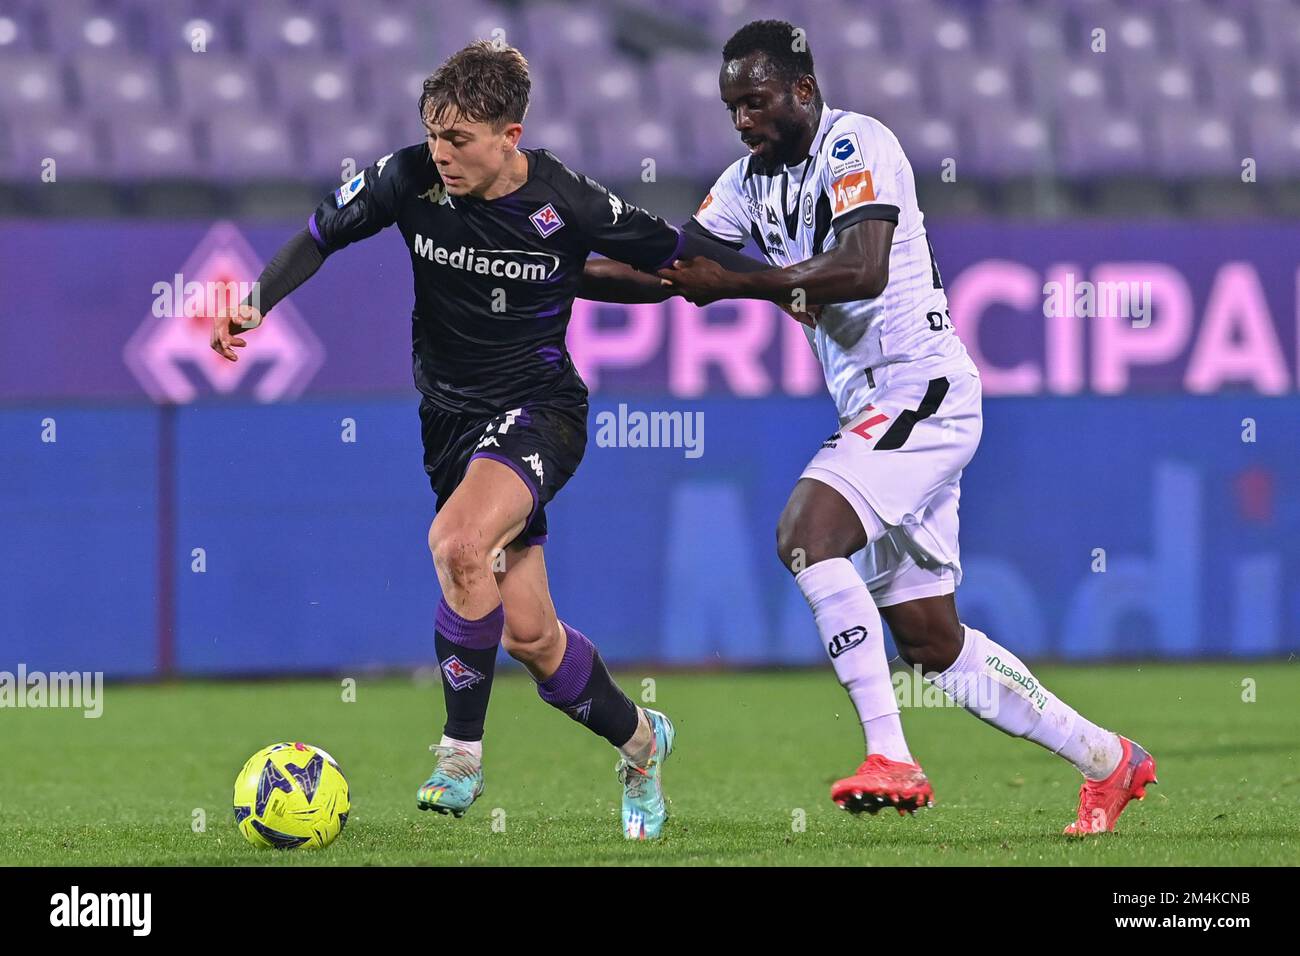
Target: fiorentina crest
(170, 355)
(459, 674)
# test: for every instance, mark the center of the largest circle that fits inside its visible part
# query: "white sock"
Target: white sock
(637, 749)
(473, 746)
(854, 637)
(996, 686)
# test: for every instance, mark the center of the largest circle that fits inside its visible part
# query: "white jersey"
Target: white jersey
(856, 171)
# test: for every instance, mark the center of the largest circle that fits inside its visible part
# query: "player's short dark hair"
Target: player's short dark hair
(483, 83)
(784, 45)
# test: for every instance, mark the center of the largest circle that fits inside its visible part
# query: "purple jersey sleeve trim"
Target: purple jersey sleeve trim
(315, 232)
(523, 476)
(681, 238)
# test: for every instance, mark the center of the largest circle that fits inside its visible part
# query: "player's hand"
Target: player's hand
(226, 329)
(697, 280)
(806, 316)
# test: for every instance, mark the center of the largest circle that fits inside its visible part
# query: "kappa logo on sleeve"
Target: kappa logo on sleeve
(708, 201)
(348, 191)
(853, 190)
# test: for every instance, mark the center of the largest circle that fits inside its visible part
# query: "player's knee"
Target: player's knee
(931, 645)
(797, 547)
(457, 555)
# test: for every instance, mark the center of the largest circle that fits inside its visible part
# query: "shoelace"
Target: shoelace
(633, 777)
(455, 763)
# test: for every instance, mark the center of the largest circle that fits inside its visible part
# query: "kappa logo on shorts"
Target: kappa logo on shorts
(546, 220)
(846, 640)
(459, 674)
(534, 461)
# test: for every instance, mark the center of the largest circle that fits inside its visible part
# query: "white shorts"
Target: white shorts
(899, 464)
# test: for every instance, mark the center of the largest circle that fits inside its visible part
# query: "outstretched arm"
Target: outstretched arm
(857, 268)
(358, 209)
(606, 280)
(295, 263)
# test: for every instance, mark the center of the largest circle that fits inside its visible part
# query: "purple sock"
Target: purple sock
(582, 688)
(467, 655)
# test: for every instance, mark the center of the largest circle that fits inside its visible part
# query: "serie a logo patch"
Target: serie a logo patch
(348, 191)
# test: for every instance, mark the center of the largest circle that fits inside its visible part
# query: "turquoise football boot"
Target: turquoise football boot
(644, 809)
(456, 782)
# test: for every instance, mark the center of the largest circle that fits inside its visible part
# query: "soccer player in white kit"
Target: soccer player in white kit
(829, 197)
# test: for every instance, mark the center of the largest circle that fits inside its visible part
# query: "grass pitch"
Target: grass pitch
(756, 753)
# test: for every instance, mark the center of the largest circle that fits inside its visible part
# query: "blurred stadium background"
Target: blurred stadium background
(197, 518)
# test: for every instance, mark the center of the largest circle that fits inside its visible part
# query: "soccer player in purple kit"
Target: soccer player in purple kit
(498, 236)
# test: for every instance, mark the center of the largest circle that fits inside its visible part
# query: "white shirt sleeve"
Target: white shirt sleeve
(864, 172)
(723, 212)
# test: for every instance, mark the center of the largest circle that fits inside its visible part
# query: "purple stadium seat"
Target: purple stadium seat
(404, 31)
(178, 27)
(395, 84)
(278, 27)
(927, 141)
(560, 136)
(309, 83)
(1273, 139)
(242, 149)
(1247, 86)
(709, 145)
(455, 25)
(1155, 84)
(1007, 143)
(155, 147)
(600, 84)
(966, 84)
(31, 85)
(1013, 31)
(888, 88)
(577, 31)
(1074, 83)
(1100, 143)
(335, 135)
(214, 83)
(78, 27)
(1134, 33)
(1201, 32)
(681, 82)
(1084, 16)
(1279, 29)
(1195, 143)
(118, 85)
(945, 32)
(16, 32)
(74, 145)
(623, 141)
